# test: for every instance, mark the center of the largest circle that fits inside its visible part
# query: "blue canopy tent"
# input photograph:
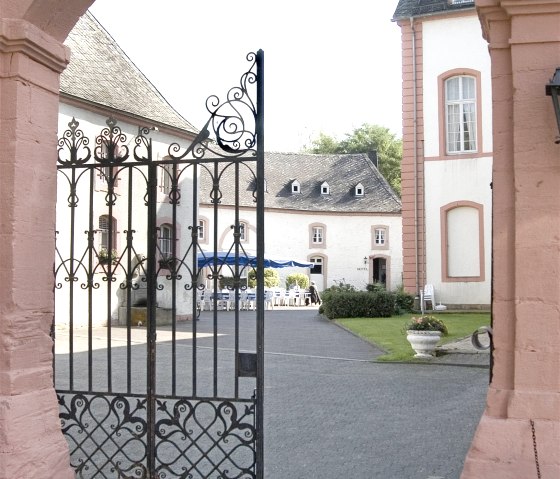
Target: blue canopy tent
(228, 258)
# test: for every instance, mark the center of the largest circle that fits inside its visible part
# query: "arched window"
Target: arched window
(460, 114)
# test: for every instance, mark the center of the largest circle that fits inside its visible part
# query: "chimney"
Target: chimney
(373, 157)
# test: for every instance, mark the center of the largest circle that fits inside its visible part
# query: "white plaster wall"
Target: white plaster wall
(448, 51)
(91, 124)
(446, 182)
(348, 241)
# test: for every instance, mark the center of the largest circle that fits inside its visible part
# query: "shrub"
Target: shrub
(354, 304)
(404, 302)
(375, 287)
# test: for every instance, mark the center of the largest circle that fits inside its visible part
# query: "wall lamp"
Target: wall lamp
(365, 259)
(553, 90)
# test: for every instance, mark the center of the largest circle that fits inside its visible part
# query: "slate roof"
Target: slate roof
(418, 8)
(341, 172)
(100, 72)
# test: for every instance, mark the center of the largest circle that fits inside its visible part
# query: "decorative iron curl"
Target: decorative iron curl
(110, 149)
(231, 129)
(74, 141)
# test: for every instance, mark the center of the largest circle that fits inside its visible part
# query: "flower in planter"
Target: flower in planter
(104, 257)
(426, 323)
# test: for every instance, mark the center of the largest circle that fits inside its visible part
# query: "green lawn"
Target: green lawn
(387, 333)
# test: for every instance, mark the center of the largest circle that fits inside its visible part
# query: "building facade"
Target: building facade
(102, 112)
(447, 152)
(335, 211)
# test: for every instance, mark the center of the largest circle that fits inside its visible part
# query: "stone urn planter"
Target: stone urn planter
(423, 342)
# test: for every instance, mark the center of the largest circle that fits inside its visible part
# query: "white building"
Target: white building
(101, 82)
(447, 154)
(336, 211)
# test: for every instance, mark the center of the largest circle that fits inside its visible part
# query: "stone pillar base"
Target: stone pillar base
(31, 444)
(503, 449)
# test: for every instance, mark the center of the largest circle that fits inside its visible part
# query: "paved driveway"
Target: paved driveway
(332, 413)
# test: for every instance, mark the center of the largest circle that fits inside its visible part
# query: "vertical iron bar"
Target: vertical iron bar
(71, 292)
(215, 282)
(110, 272)
(151, 310)
(173, 270)
(91, 237)
(129, 285)
(237, 239)
(260, 264)
(196, 273)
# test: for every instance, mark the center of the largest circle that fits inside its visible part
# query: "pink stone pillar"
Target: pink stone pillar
(524, 395)
(31, 443)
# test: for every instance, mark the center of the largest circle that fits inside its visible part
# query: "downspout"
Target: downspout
(415, 158)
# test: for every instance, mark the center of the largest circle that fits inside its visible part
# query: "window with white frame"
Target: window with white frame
(318, 235)
(107, 233)
(296, 187)
(317, 267)
(201, 230)
(166, 180)
(460, 114)
(380, 234)
(105, 173)
(166, 241)
(242, 231)
(325, 189)
(359, 190)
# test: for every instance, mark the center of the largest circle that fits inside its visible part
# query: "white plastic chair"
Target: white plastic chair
(226, 299)
(428, 296)
(201, 300)
(269, 298)
(292, 298)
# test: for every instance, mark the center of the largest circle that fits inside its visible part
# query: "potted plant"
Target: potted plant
(106, 258)
(423, 333)
(167, 262)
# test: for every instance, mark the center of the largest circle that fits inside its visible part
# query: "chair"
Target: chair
(292, 298)
(225, 300)
(269, 298)
(246, 300)
(428, 295)
(201, 300)
(278, 297)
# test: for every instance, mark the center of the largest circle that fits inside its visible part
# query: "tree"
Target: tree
(300, 279)
(363, 140)
(271, 278)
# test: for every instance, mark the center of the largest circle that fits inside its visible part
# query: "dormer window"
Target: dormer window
(325, 189)
(359, 190)
(296, 187)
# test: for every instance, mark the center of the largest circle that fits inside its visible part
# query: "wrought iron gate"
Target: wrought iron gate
(154, 378)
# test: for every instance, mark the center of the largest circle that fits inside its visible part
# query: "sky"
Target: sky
(329, 67)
